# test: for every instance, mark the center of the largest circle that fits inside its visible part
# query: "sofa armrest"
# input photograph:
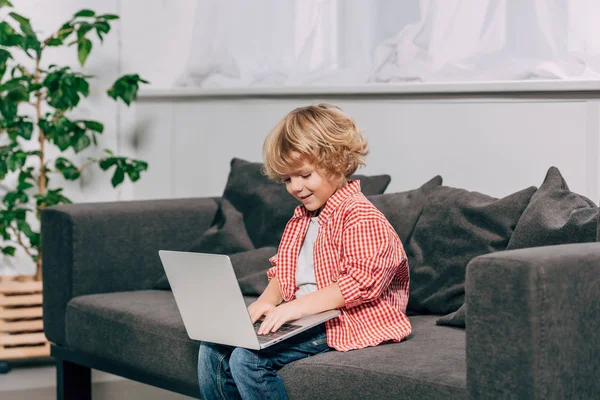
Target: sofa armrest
(533, 323)
(111, 247)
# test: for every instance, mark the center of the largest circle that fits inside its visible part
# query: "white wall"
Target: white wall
(493, 143)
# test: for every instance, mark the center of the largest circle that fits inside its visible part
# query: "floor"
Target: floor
(37, 381)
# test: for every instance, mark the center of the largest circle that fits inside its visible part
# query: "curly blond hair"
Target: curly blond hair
(322, 135)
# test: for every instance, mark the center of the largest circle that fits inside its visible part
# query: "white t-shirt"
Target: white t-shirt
(305, 269)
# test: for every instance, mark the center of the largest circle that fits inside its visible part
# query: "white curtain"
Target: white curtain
(331, 42)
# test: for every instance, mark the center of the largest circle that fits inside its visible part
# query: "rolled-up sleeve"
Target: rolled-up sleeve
(372, 256)
(272, 272)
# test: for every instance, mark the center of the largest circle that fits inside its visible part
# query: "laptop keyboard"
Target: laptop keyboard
(285, 328)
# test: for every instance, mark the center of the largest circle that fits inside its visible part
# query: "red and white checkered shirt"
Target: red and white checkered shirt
(356, 247)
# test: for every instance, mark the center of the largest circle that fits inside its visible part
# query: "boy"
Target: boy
(337, 252)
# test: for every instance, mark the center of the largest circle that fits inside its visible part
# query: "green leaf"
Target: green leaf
(67, 169)
(65, 88)
(4, 57)
(108, 162)
(141, 165)
(93, 126)
(108, 16)
(80, 143)
(62, 141)
(13, 198)
(82, 29)
(8, 36)
(9, 250)
(133, 174)
(125, 88)
(84, 13)
(20, 127)
(20, 214)
(102, 26)
(64, 32)
(35, 240)
(54, 42)
(8, 109)
(118, 177)
(5, 3)
(82, 86)
(24, 24)
(52, 198)
(16, 160)
(24, 186)
(83, 50)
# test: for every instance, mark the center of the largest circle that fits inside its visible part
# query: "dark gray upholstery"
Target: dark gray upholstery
(144, 330)
(555, 215)
(455, 226)
(403, 209)
(456, 318)
(532, 323)
(141, 329)
(430, 364)
(111, 247)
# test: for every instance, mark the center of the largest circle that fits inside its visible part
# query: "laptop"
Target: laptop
(212, 306)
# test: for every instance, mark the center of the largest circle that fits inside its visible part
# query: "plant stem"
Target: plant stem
(18, 235)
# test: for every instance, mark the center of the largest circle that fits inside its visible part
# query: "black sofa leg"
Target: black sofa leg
(73, 381)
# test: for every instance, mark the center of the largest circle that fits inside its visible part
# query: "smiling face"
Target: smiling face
(310, 187)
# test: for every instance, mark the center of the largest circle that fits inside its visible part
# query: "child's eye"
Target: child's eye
(307, 176)
(286, 179)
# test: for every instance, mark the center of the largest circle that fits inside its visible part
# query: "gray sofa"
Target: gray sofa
(531, 327)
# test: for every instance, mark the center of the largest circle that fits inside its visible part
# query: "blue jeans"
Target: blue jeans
(226, 372)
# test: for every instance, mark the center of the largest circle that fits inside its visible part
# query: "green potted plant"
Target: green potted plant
(36, 107)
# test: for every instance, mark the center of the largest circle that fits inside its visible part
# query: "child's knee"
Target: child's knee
(242, 359)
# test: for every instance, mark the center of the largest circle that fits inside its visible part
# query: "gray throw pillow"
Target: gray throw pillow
(267, 206)
(455, 226)
(250, 270)
(402, 209)
(456, 318)
(555, 215)
(227, 236)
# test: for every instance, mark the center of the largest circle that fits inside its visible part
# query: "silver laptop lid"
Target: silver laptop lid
(209, 298)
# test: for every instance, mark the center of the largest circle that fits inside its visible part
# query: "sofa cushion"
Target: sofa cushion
(402, 209)
(250, 270)
(555, 215)
(456, 226)
(429, 364)
(456, 318)
(143, 331)
(226, 236)
(267, 206)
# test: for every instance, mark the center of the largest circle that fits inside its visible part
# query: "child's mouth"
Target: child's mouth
(305, 197)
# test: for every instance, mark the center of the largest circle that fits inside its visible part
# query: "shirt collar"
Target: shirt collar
(332, 204)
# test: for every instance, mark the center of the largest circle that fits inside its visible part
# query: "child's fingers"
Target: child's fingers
(266, 326)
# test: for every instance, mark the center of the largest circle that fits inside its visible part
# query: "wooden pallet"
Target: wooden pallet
(21, 325)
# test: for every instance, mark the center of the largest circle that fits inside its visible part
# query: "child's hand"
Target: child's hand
(258, 309)
(278, 316)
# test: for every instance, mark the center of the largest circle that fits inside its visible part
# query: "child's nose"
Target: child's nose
(297, 184)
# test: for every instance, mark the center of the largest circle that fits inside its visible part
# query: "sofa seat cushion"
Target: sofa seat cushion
(143, 330)
(429, 364)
